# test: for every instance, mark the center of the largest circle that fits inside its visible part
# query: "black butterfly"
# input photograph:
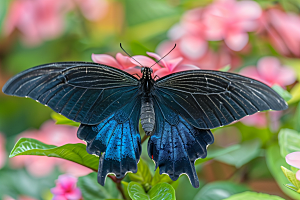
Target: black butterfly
(177, 110)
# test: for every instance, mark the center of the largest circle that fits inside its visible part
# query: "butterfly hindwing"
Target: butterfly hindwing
(209, 99)
(176, 145)
(116, 140)
(81, 91)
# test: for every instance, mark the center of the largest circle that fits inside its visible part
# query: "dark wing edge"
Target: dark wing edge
(176, 145)
(84, 92)
(209, 99)
(116, 140)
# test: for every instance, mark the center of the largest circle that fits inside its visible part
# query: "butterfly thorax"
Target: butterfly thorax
(147, 109)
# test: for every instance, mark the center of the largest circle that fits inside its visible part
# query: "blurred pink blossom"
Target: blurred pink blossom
(231, 20)
(37, 20)
(270, 72)
(40, 20)
(258, 120)
(283, 30)
(189, 35)
(58, 135)
(211, 60)
(66, 189)
(293, 159)
(2, 151)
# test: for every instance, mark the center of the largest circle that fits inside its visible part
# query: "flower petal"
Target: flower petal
(293, 159)
(106, 60)
(185, 67)
(193, 47)
(124, 61)
(236, 41)
(144, 60)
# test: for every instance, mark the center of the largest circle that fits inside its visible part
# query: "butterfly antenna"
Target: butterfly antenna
(130, 55)
(164, 56)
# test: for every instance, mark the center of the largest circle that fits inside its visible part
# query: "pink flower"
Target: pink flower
(41, 20)
(293, 159)
(2, 151)
(270, 72)
(189, 35)
(126, 63)
(171, 66)
(66, 189)
(58, 135)
(37, 20)
(258, 120)
(231, 20)
(283, 30)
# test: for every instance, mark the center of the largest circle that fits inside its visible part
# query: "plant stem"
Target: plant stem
(118, 183)
(144, 139)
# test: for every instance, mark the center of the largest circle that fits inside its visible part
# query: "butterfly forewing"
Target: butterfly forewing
(210, 99)
(81, 91)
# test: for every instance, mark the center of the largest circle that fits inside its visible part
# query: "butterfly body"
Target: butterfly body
(177, 111)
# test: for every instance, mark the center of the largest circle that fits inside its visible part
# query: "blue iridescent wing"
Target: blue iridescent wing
(176, 144)
(83, 92)
(116, 140)
(209, 99)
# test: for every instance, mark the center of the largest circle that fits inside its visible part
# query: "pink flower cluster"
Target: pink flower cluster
(131, 66)
(41, 20)
(225, 20)
(66, 189)
(283, 31)
(58, 135)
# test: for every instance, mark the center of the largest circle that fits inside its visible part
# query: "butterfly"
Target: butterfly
(177, 111)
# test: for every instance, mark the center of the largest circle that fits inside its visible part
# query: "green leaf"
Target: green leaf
(274, 162)
(295, 92)
(160, 191)
(291, 176)
(289, 141)
(3, 11)
(60, 119)
(136, 191)
(297, 118)
(248, 151)
(163, 178)
(220, 190)
(72, 152)
(226, 68)
(143, 174)
(254, 196)
(283, 93)
(91, 190)
(213, 153)
(291, 186)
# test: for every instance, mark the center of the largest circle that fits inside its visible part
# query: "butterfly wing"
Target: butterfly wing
(176, 145)
(116, 140)
(81, 91)
(209, 99)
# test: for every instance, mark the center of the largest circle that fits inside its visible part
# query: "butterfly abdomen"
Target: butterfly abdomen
(147, 115)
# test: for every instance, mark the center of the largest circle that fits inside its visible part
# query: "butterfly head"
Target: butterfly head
(147, 71)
